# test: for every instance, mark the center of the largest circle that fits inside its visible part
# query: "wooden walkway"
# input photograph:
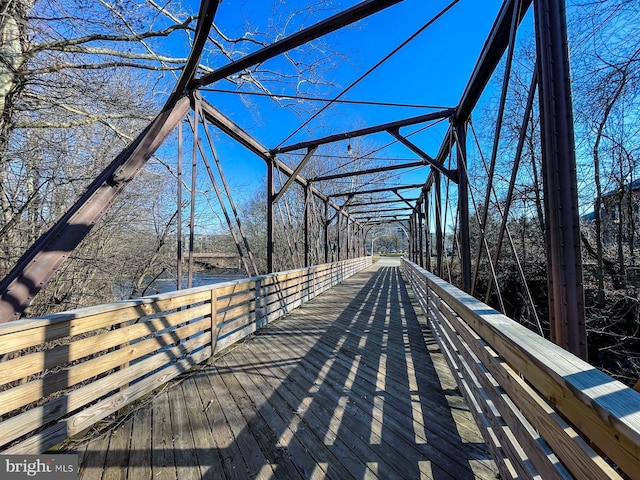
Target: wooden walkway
(351, 385)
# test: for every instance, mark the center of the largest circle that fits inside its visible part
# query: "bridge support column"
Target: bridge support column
(419, 210)
(463, 207)
(270, 216)
(307, 226)
(338, 236)
(564, 261)
(326, 231)
(427, 229)
(438, 208)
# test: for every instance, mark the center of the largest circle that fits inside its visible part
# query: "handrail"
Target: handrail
(542, 410)
(62, 373)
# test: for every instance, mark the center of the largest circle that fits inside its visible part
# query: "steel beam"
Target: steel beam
(270, 216)
(463, 207)
(294, 175)
(566, 293)
(383, 202)
(376, 190)
(490, 56)
(366, 131)
(421, 163)
(331, 24)
(451, 175)
(398, 209)
(41, 261)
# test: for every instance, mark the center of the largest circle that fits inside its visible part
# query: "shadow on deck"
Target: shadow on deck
(350, 385)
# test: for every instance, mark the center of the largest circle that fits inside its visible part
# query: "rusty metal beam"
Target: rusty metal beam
(383, 202)
(384, 210)
(331, 24)
(451, 175)
(490, 56)
(41, 261)
(421, 163)
(294, 175)
(377, 190)
(45, 256)
(564, 260)
(366, 131)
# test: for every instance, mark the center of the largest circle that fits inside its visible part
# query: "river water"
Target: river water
(163, 285)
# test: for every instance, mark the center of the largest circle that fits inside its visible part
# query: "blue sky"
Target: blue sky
(431, 70)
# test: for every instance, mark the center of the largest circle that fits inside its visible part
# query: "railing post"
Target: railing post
(214, 321)
(564, 260)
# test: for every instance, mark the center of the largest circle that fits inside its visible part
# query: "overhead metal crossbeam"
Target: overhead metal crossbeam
(377, 190)
(382, 202)
(331, 24)
(421, 163)
(383, 210)
(367, 131)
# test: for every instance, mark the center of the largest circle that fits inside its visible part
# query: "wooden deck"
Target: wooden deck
(351, 385)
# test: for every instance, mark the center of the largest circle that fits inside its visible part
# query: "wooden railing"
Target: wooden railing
(542, 410)
(62, 373)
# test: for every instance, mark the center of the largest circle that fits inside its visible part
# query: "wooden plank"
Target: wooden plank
(482, 419)
(37, 362)
(393, 418)
(265, 426)
(35, 390)
(249, 449)
(117, 459)
(363, 392)
(37, 335)
(140, 454)
(233, 465)
(297, 432)
(163, 465)
(205, 447)
(310, 425)
(30, 420)
(186, 459)
(503, 415)
(93, 460)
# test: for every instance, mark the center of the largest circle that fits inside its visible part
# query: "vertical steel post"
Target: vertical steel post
(192, 212)
(438, 228)
(270, 215)
(419, 208)
(307, 220)
(425, 194)
(179, 213)
(326, 231)
(347, 237)
(338, 246)
(463, 207)
(564, 261)
(411, 239)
